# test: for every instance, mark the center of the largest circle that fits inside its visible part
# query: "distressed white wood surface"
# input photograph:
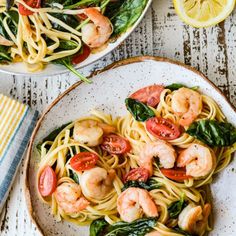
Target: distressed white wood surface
(161, 33)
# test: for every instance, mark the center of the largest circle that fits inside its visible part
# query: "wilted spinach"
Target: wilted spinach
(5, 56)
(213, 133)
(123, 14)
(178, 230)
(176, 207)
(140, 111)
(136, 228)
(74, 176)
(149, 185)
(176, 86)
(52, 135)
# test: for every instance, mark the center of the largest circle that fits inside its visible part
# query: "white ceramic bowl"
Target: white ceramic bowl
(52, 69)
(109, 89)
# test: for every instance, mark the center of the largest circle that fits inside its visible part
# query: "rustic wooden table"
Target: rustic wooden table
(161, 33)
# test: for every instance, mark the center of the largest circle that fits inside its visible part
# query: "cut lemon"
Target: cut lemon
(203, 13)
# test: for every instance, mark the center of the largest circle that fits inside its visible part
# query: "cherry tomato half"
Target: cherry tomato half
(149, 95)
(162, 128)
(115, 144)
(137, 174)
(83, 161)
(79, 57)
(47, 182)
(31, 3)
(177, 174)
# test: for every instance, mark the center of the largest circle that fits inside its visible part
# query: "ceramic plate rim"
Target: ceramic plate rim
(122, 38)
(75, 85)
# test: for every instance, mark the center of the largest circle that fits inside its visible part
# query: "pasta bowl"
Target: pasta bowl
(54, 69)
(119, 80)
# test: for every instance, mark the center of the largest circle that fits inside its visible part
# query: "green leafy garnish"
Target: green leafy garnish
(176, 207)
(123, 14)
(149, 185)
(176, 86)
(138, 227)
(52, 135)
(5, 56)
(139, 111)
(73, 175)
(213, 133)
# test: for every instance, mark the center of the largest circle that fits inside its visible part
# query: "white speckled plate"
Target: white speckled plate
(109, 89)
(52, 69)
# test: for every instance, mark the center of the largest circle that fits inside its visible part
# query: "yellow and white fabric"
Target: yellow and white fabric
(16, 125)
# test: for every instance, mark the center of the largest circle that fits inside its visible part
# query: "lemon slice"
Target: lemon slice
(203, 13)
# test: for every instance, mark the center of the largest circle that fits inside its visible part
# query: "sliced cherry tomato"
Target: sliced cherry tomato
(115, 144)
(149, 95)
(83, 161)
(162, 128)
(31, 3)
(177, 174)
(137, 174)
(79, 57)
(47, 182)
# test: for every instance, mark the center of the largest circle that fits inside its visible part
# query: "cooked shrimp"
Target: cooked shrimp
(198, 159)
(97, 183)
(193, 219)
(70, 199)
(97, 33)
(90, 132)
(134, 202)
(186, 103)
(161, 149)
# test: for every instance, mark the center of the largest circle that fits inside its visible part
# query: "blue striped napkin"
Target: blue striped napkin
(16, 126)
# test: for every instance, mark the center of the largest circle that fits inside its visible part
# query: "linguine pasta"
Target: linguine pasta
(57, 154)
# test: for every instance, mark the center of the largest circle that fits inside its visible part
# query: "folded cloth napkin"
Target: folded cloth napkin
(16, 125)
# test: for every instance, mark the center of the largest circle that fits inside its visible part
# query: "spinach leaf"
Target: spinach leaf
(176, 86)
(70, 20)
(67, 62)
(149, 185)
(124, 14)
(84, 3)
(176, 207)
(67, 45)
(73, 175)
(97, 227)
(5, 56)
(213, 133)
(136, 228)
(140, 111)
(52, 136)
(178, 230)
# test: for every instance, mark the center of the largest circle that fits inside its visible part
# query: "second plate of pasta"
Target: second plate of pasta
(145, 150)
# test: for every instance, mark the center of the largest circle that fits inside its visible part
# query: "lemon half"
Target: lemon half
(203, 13)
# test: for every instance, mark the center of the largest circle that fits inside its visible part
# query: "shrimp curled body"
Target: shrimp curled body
(193, 219)
(69, 198)
(198, 159)
(96, 33)
(134, 202)
(90, 132)
(161, 149)
(97, 183)
(187, 104)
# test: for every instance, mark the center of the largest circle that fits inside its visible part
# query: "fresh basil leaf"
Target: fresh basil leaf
(149, 185)
(138, 227)
(213, 133)
(73, 175)
(124, 14)
(176, 86)
(139, 111)
(176, 207)
(97, 227)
